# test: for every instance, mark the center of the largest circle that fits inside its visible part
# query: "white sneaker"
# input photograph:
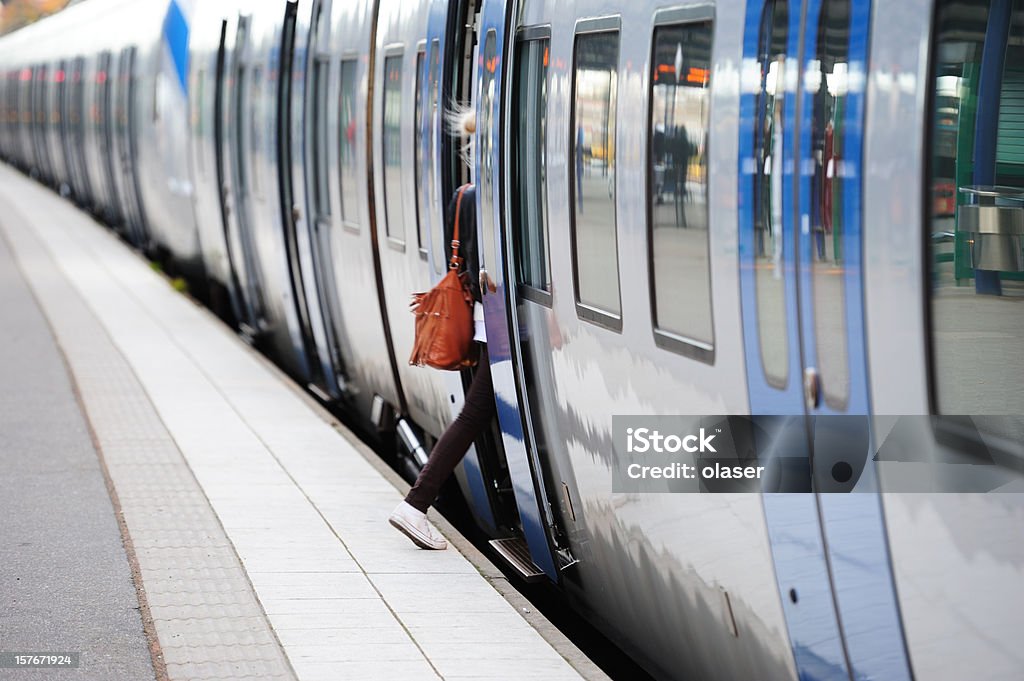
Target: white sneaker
(413, 524)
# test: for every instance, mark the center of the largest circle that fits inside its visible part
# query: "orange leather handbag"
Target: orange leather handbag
(444, 315)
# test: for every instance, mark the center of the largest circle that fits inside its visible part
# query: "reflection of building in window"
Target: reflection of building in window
(529, 161)
(680, 262)
(593, 156)
(769, 171)
(976, 199)
(827, 79)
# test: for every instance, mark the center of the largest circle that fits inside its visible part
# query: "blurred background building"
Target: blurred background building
(17, 13)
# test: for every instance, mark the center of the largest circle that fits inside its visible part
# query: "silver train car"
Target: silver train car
(803, 209)
(93, 106)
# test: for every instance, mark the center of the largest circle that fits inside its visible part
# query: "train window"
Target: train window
(347, 142)
(770, 292)
(976, 216)
(394, 211)
(321, 72)
(437, 246)
(529, 172)
(592, 177)
(421, 197)
(679, 258)
(828, 70)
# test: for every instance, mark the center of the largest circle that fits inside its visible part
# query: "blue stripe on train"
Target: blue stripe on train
(175, 34)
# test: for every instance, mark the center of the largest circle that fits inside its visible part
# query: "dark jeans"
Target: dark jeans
(475, 416)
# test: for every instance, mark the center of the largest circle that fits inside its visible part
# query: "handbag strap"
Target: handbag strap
(456, 261)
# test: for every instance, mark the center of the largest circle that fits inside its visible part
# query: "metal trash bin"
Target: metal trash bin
(994, 223)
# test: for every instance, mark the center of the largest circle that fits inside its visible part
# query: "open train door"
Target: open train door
(447, 75)
(539, 549)
(800, 229)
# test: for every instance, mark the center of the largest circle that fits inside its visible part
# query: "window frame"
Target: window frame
(530, 34)
(692, 348)
(584, 311)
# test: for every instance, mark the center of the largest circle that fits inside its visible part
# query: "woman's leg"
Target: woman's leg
(476, 413)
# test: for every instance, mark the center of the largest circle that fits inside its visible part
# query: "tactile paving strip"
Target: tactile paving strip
(206, 615)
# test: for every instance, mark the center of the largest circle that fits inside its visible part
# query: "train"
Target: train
(796, 209)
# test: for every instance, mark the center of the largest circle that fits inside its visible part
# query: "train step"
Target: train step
(515, 552)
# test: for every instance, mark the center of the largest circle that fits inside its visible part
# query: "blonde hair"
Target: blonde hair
(461, 119)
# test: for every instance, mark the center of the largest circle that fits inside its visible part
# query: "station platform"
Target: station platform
(179, 509)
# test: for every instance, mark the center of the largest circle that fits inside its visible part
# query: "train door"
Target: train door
(206, 67)
(108, 94)
(230, 103)
(120, 149)
(101, 138)
(318, 272)
(78, 122)
(398, 234)
(534, 552)
(54, 93)
(28, 121)
(344, 156)
(24, 99)
(32, 105)
(801, 152)
(126, 129)
(40, 123)
(67, 122)
(114, 153)
(944, 153)
(55, 150)
(290, 215)
(60, 124)
(299, 30)
(445, 75)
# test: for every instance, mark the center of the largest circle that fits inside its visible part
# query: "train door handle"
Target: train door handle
(296, 214)
(812, 387)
